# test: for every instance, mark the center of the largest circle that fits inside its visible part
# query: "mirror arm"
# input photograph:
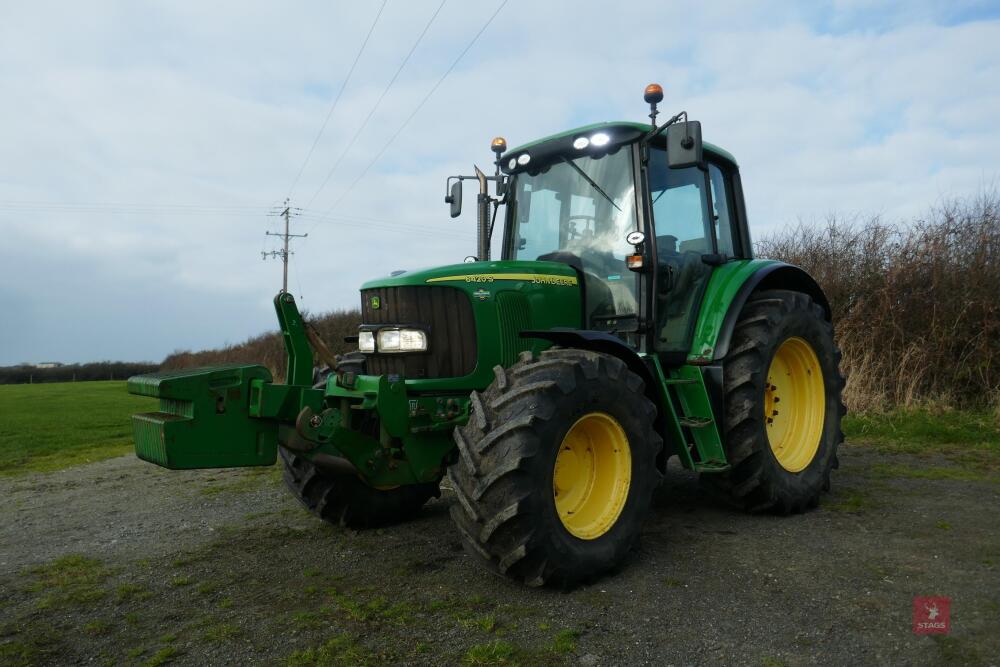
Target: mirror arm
(655, 132)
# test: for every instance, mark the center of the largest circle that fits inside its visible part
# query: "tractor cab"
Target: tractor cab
(642, 213)
(643, 235)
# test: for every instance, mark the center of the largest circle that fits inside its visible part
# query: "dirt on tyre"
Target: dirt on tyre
(782, 405)
(556, 468)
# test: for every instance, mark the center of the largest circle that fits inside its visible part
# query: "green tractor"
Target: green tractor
(626, 322)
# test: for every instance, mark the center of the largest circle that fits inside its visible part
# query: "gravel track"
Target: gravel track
(224, 567)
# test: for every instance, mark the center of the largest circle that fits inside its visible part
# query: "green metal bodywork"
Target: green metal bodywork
(395, 431)
(237, 416)
(202, 420)
(507, 297)
(723, 285)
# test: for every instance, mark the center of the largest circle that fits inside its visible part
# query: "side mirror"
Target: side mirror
(684, 147)
(455, 199)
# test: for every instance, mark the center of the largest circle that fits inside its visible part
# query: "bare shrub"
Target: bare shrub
(268, 349)
(915, 306)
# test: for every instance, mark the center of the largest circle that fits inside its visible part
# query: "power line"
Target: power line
(31, 203)
(418, 107)
(376, 223)
(336, 100)
(128, 209)
(378, 103)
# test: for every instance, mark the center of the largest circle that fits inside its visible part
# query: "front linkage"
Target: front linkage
(236, 415)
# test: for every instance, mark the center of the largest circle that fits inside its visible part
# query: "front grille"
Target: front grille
(444, 312)
(515, 317)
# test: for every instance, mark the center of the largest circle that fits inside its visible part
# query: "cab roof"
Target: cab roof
(626, 127)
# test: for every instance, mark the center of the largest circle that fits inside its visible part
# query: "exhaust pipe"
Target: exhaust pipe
(483, 218)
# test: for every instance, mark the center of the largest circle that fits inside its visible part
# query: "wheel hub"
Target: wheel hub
(592, 475)
(794, 404)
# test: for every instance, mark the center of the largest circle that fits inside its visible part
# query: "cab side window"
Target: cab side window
(720, 205)
(679, 210)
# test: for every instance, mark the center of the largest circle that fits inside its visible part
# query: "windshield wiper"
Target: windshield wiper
(591, 181)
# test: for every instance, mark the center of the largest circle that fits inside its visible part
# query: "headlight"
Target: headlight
(402, 340)
(366, 341)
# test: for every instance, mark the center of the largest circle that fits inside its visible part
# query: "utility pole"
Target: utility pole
(286, 213)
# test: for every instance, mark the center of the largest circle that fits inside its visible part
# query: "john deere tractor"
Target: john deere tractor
(625, 322)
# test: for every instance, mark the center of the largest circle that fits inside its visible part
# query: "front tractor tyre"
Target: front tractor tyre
(783, 405)
(556, 467)
(345, 499)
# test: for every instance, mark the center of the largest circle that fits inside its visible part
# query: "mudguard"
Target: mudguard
(728, 291)
(598, 341)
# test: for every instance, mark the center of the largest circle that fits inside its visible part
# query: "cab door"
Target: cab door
(692, 223)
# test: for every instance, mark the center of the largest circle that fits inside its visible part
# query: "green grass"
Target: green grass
(161, 657)
(68, 581)
(129, 592)
(918, 430)
(220, 632)
(484, 623)
(341, 650)
(852, 503)
(565, 641)
(970, 439)
(901, 471)
(47, 427)
(97, 627)
(493, 653)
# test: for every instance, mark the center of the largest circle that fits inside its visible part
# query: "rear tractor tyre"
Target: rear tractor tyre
(556, 467)
(783, 405)
(347, 500)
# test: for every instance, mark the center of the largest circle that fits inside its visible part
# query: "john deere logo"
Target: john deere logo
(376, 303)
(481, 294)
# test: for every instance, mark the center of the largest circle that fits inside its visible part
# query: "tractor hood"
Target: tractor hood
(472, 316)
(498, 274)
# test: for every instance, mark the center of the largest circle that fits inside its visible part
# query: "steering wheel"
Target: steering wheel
(572, 232)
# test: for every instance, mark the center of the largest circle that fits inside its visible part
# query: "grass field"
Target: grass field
(51, 426)
(968, 438)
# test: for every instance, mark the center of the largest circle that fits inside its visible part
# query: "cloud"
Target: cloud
(847, 106)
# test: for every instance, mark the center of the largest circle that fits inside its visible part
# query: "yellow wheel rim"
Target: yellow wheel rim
(592, 475)
(794, 404)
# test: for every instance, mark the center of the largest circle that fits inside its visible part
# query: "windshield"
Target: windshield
(579, 212)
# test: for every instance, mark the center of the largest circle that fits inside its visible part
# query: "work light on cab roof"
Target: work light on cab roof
(625, 322)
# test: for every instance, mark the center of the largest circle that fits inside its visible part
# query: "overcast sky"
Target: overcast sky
(142, 144)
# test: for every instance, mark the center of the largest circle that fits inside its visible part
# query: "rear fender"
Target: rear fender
(725, 298)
